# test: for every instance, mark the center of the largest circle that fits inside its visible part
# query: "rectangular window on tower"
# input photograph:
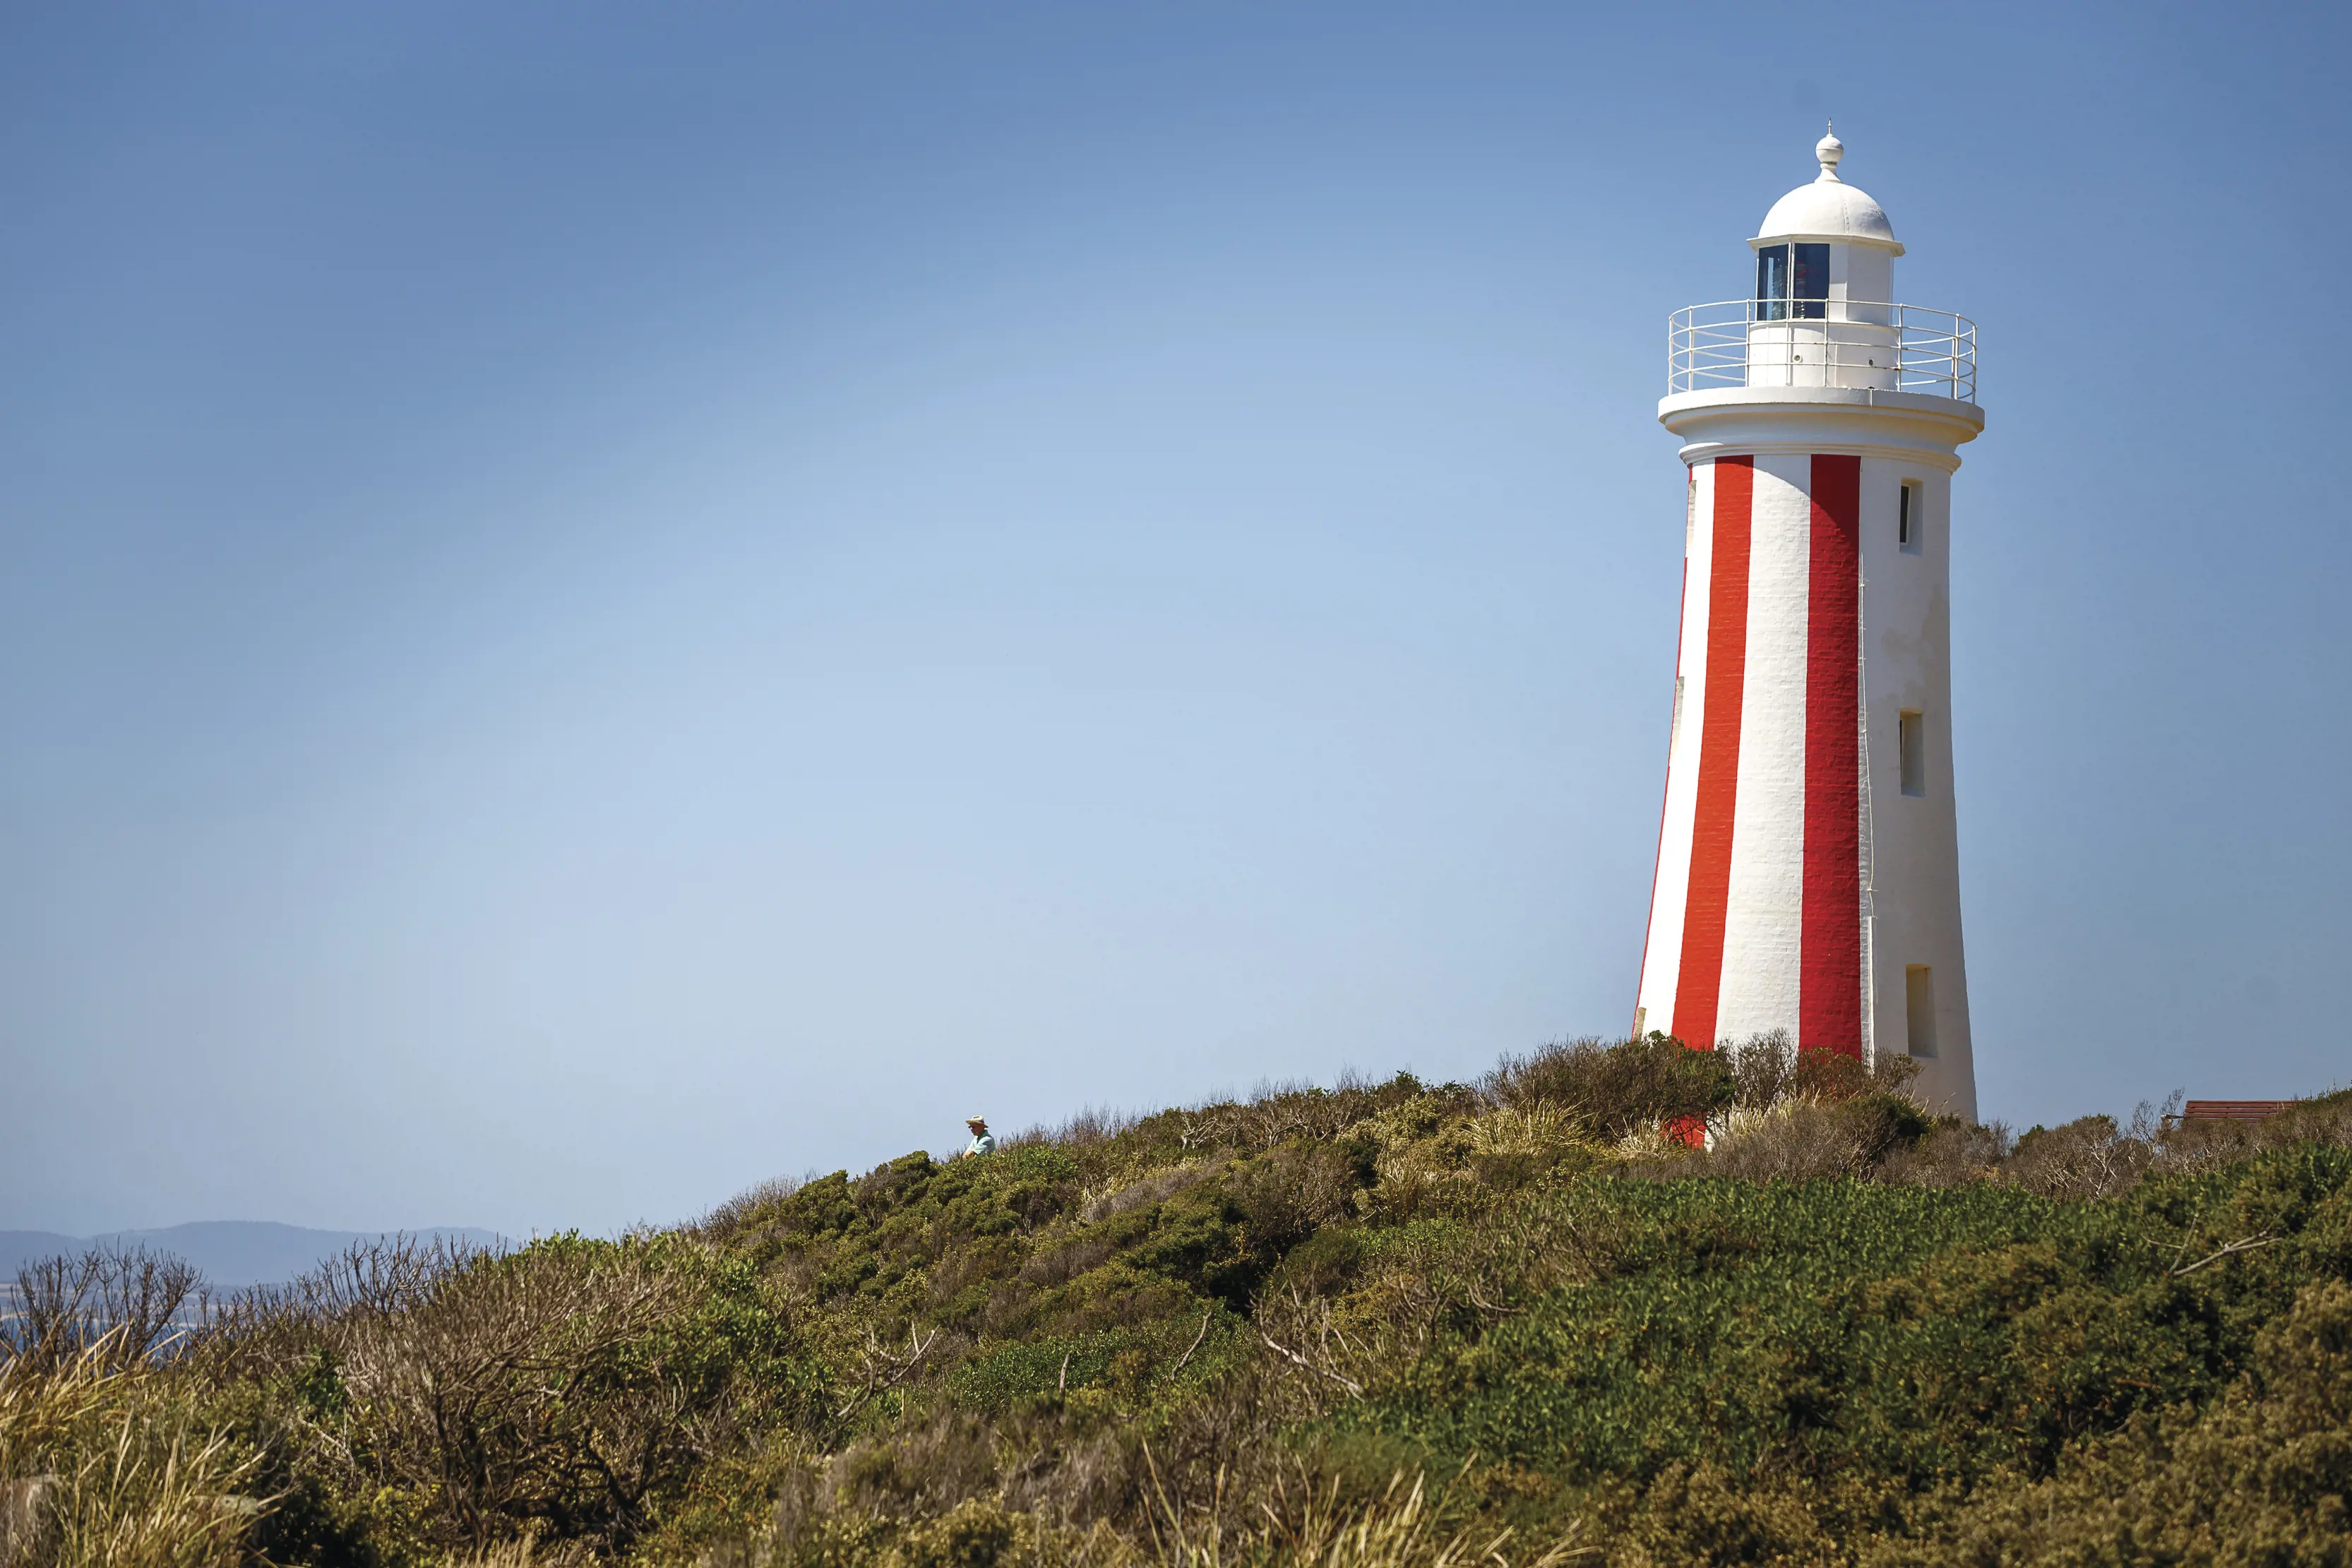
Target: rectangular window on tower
(1911, 516)
(1911, 749)
(1918, 1010)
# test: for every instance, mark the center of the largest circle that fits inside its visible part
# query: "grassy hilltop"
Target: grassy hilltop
(1393, 1323)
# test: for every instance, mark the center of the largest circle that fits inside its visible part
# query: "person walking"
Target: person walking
(982, 1143)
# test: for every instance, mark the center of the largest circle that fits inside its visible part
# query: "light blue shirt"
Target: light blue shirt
(981, 1145)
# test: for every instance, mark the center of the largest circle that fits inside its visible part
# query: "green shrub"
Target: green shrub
(2261, 1475)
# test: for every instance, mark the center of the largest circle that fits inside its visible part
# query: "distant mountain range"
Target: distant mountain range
(231, 1253)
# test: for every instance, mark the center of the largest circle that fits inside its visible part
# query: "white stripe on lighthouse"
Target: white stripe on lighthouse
(1670, 897)
(1763, 928)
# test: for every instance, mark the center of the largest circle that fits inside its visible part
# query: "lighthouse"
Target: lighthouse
(1808, 873)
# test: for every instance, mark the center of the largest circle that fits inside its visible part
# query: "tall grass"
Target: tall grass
(110, 1464)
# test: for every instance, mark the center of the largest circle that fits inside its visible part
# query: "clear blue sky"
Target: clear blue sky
(600, 603)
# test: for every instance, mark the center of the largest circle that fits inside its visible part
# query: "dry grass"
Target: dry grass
(1292, 1518)
(111, 1467)
(1538, 1127)
(526, 1553)
(1305, 1521)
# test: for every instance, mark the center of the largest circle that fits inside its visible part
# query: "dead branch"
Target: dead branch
(1484, 1305)
(1351, 1384)
(1193, 1346)
(2245, 1244)
(877, 1358)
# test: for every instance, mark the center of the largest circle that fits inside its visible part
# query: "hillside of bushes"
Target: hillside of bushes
(1525, 1322)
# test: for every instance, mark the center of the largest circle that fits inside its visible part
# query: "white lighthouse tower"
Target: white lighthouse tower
(1807, 877)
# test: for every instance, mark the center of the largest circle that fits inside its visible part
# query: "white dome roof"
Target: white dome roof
(1829, 209)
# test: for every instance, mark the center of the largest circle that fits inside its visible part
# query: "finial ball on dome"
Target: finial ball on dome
(1829, 149)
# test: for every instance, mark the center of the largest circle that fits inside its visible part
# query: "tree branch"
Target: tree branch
(1348, 1383)
(1193, 1346)
(2246, 1244)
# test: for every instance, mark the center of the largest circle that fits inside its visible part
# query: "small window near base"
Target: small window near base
(1919, 1010)
(1911, 743)
(1910, 517)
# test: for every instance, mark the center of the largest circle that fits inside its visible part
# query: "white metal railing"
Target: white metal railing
(1851, 343)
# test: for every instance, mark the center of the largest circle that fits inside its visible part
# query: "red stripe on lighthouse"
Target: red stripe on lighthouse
(1698, 983)
(1829, 983)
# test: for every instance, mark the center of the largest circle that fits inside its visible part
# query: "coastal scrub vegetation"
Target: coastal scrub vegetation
(1627, 1304)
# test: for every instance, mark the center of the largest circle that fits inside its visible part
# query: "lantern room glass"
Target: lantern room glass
(1793, 282)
